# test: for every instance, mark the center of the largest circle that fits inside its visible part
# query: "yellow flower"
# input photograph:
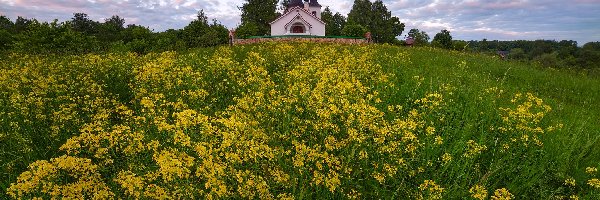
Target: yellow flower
(431, 190)
(473, 149)
(570, 182)
(446, 157)
(574, 197)
(594, 183)
(430, 130)
(439, 140)
(478, 192)
(591, 170)
(502, 194)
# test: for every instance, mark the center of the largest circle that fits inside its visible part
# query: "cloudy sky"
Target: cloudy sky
(466, 19)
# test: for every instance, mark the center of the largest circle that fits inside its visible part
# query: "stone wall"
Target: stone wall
(322, 40)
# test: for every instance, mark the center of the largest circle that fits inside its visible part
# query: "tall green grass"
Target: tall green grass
(469, 112)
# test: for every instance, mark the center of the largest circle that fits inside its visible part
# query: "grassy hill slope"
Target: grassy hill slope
(299, 121)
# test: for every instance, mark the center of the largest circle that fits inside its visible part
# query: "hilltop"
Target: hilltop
(296, 120)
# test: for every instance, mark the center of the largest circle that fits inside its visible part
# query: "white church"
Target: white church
(300, 18)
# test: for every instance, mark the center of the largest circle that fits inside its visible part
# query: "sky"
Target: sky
(577, 20)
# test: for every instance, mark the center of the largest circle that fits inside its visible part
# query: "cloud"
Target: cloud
(465, 19)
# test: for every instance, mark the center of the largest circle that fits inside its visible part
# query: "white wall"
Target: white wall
(278, 28)
(317, 9)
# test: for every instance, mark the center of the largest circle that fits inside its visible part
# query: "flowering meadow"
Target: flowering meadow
(295, 121)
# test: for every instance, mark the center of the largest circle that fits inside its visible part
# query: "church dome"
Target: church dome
(314, 3)
(295, 3)
(300, 3)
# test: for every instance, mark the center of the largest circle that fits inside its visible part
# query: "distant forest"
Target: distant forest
(82, 35)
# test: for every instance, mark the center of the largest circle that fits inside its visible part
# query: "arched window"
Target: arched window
(298, 28)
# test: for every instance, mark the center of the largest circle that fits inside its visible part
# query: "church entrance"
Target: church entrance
(298, 28)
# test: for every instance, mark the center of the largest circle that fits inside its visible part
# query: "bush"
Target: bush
(246, 30)
(354, 30)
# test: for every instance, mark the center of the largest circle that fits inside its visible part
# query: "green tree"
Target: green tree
(548, 60)
(21, 24)
(589, 56)
(361, 13)
(421, 38)
(333, 23)
(199, 33)
(592, 46)
(111, 30)
(517, 54)
(246, 30)
(6, 37)
(218, 34)
(5, 23)
(194, 31)
(443, 39)
(81, 23)
(460, 45)
(138, 38)
(354, 30)
(115, 22)
(169, 40)
(376, 18)
(261, 13)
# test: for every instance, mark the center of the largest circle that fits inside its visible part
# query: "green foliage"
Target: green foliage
(588, 58)
(354, 30)
(53, 37)
(246, 30)
(22, 24)
(169, 41)
(548, 60)
(376, 18)
(443, 39)
(260, 13)
(81, 23)
(517, 54)
(421, 38)
(6, 24)
(308, 131)
(199, 33)
(83, 35)
(6, 39)
(460, 45)
(334, 23)
(592, 46)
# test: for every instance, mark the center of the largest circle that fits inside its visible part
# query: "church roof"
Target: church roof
(314, 3)
(297, 8)
(295, 3)
(301, 18)
(300, 3)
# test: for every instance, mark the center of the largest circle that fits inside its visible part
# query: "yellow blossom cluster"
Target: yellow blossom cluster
(50, 178)
(430, 190)
(478, 192)
(265, 121)
(523, 122)
(502, 194)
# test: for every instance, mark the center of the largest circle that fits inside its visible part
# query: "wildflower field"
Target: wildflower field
(296, 121)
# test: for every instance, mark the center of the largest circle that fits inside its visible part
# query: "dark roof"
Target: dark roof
(295, 3)
(298, 9)
(409, 41)
(300, 3)
(314, 3)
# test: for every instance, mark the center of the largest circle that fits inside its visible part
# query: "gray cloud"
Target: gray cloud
(465, 19)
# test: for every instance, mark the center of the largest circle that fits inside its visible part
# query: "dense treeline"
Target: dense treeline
(83, 35)
(548, 53)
